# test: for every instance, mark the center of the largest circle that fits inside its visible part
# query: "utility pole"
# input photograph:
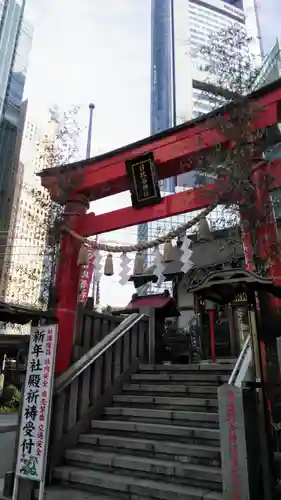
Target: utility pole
(90, 126)
(96, 284)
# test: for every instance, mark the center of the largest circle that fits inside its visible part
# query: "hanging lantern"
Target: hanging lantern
(83, 256)
(204, 232)
(138, 264)
(168, 251)
(108, 266)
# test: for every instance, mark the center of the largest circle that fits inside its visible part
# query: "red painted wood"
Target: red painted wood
(266, 229)
(174, 204)
(66, 287)
(273, 168)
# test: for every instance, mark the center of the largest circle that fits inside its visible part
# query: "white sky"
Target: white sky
(269, 13)
(95, 51)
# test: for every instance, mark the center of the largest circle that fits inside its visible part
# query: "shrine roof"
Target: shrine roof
(16, 314)
(224, 285)
(174, 130)
(10, 344)
(206, 254)
(156, 301)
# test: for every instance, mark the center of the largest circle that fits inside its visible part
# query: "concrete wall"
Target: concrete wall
(7, 441)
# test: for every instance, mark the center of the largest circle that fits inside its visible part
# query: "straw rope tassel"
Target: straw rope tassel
(138, 264)
(108, 265)
(168, 251)
(83, 256)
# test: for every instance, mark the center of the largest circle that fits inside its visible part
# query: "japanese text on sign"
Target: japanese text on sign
(232, 443)
(86, 277)
(36, 403)
(143, 180)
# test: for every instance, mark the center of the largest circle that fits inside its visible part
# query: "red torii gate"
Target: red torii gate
(106, 175)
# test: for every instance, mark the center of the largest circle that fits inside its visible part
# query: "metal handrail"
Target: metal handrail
(95, 352)
(239, 361)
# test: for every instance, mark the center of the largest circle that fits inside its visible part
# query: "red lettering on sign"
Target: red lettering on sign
(232, 445)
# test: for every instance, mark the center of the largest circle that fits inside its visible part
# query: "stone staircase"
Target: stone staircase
(159, 440)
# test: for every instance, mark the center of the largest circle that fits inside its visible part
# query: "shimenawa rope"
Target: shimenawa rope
(145, 245)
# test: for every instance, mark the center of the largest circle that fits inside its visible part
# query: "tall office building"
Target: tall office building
(15, 44)
(11, 12)
(271, 66)
(27, 252)
(179, 28)
(269, 72)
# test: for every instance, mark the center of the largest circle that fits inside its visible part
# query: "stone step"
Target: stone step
(130, 487)
(198, 418)
(231, 360)
(182, 433)
(182, 452)
(146, 466)
(167, 402)
(63, 493)
(192, 423)
(197, 378)
(204, 367)
(171, 389)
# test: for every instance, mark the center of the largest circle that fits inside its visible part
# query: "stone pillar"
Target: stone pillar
(239, 443)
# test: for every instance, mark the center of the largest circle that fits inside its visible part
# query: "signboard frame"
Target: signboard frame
(36, 408)
(145, 190)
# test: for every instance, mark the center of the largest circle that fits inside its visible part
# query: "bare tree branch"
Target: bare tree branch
(231, 75)
(46, 215)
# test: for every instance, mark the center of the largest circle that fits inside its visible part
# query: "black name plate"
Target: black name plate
(144, 182)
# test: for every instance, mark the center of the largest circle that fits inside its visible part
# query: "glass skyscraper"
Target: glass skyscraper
(271, 66)
(179, 28)
(161, 93)
(270, 72)
(15, 45)
(11, 13)
(161, 111)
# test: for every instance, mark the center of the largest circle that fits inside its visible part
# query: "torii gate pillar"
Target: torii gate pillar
(66, 282)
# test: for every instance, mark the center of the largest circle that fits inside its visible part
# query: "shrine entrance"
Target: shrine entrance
(217, 327)
(139, 168)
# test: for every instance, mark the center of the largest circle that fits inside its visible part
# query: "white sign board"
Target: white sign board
(35, 418)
